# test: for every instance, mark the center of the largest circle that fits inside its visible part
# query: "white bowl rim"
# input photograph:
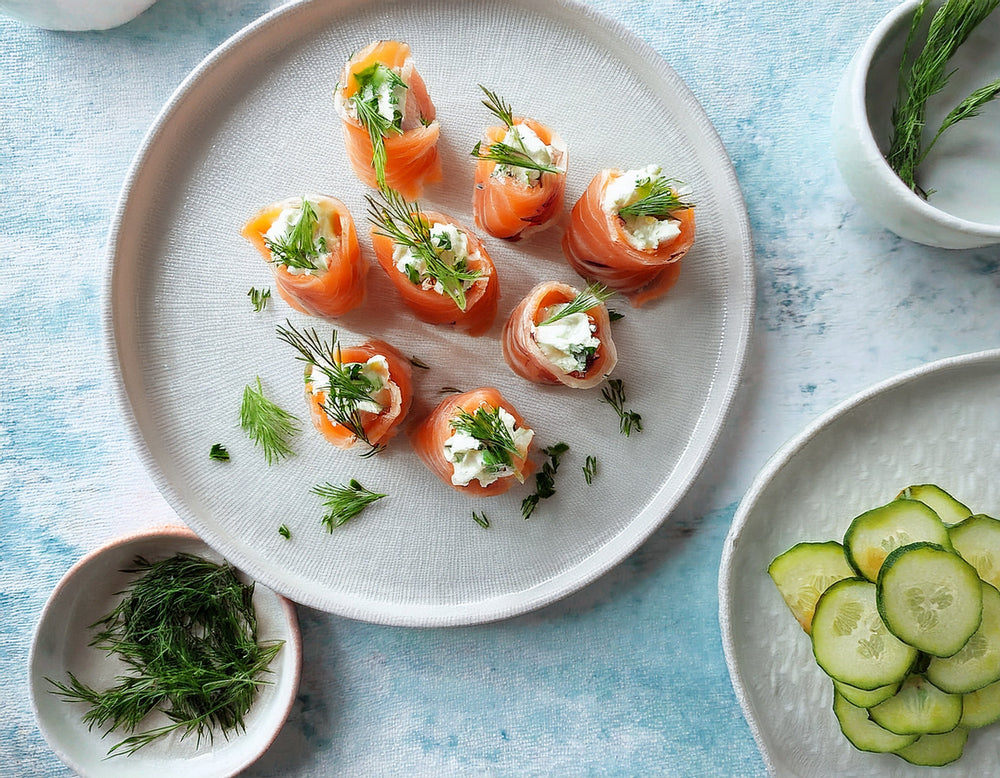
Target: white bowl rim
(859, 100)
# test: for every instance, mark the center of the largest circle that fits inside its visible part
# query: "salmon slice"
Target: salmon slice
(411, 156)
(435, 307)
(329, 292)
(597, 247)
(395, 398)
(508, 208)
(429, 438)
(525, 357)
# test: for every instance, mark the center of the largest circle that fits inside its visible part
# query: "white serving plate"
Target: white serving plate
(939, 423)
(255, 123)
(88, 592)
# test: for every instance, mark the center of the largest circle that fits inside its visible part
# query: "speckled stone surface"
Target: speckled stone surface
(626, 677)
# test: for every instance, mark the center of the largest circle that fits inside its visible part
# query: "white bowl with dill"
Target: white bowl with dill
(87, 593)
(960, 171)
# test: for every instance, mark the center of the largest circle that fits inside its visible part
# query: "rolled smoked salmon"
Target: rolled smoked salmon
(637, 255)
(390, 130)
(312, 247)
(579, 361)
(440, 439)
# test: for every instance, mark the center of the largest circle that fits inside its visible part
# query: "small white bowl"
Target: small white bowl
(964, 166)
(87, 593)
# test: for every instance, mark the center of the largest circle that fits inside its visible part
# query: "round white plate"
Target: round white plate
(937, 424)
(256, 123)
(87, 593)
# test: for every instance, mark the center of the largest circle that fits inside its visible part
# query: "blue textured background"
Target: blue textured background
(626, 677)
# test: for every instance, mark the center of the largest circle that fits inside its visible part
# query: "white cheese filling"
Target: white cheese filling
(566, 342)
(281, 228)
(465, 452)
(390, 96)
(375, 370)
(451, 246)
(523, 138)
(645, 233)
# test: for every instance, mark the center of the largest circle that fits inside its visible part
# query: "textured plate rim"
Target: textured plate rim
(762, 480)
(617, 548)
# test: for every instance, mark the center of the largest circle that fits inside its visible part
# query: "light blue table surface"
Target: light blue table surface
(626, 677)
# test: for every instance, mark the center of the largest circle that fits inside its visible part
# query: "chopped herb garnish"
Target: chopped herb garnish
(590, 469)
(343, 503)
(186, 632)
(591, 297)
(285, 532)
(487, 426)
(218, 453)
(348, 387)
(657, 198)
(259, 298)
(545, 485)
(449, 390)
(267, 424)
(615, 315)
(481, 520)
(614, 395)
(371, 81)
(416, 362)
(299, 247)
(403, 223)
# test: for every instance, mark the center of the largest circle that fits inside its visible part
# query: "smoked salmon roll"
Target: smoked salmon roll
(312, 247)
(357, 395)
(388, 119)
(559, 335)
(629, 231)
(520, 174)
(441, 269)
(475, 442)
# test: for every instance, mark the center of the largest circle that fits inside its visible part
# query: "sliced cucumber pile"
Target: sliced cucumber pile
(904, 617)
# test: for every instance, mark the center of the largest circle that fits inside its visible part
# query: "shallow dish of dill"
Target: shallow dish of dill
(87, 666)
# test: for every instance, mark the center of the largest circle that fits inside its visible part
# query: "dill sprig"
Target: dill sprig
(285, 532)
(969, 107)
(589, 469)
(299, 247)
(366, 106)
(343, 503)
(658, 198)
(498, 107)
(950, 27)
(267, 424)
(481, 519)
(348, 385)
(259, 298)
(187, 631)
(405, 225)
(487, 426)
(545, 484)
(218, 453)
(503, 153)
(591, 297)
(614, 395)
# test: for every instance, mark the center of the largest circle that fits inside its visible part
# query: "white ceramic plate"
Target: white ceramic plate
(88, 592)
(255, 123)
(937, 424)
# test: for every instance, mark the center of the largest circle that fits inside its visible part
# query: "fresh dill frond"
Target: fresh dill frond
(186, 631)
(417, 362)
(300, 247)
(371, 80)
(266, 423)
(218, 453)
(481, 519)
(449, 390)
(658, 198)
(343, 503)
(505, 154)
(589, 469)
(498, 107)
(487, 426)
(591, 297)
(285, 532)
(615, 315)
(259, 298)
(969, 107)
(545, 484)
(349, 387)
(614, 395)
(406, 226)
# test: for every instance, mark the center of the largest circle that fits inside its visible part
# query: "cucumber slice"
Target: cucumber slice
(935, 750)
(978, 663)
(865, 698)
(804, 572)
(875, 533)
(865, 734)
(930, 598)
(981, 707)
(948, 509)
(977, 539)
(850, 641)
(918, 708)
